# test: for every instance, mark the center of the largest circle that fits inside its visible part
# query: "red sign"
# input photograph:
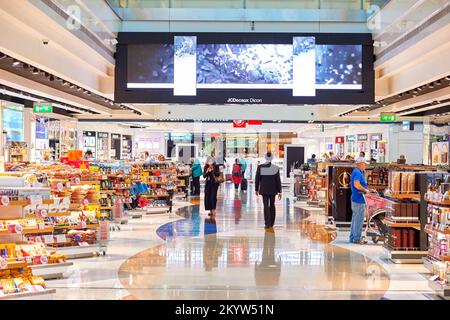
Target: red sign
(239, 123)
(255, 122)
(339, 140)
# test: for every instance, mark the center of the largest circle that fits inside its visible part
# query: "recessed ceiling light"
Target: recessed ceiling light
(35, 71)
(16, 63)
(79, 89)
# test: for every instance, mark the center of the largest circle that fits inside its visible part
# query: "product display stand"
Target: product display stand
(438, 229)
(399, 248)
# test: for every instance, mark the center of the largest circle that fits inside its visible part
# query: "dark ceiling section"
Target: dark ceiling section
(29, 99)
(440, 111)
(425, 89)
(32, 73)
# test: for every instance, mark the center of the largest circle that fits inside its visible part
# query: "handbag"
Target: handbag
(220, 179)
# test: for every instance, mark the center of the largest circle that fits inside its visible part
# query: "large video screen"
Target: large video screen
(189, 69)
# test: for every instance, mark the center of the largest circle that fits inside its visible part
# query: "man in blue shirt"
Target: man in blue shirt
(358, 186)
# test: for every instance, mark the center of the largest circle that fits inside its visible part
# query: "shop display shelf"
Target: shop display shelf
(150, 210)
(404, 196)
(47, 294)
(106, 207)
(442, 290)
(88, 226)
(158, 182)
(108, 191)
(16, 264)
(28, 231)
(73, 252)
(439, 203)
(51, 270)
(154, 195)
(396, 224)
(26, 202)
(89, 182)
(56, 214)
(375, 187)
(404, 256)
(431, 230)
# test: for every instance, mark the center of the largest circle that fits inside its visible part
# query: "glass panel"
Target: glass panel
(249, 4)
(283, 4)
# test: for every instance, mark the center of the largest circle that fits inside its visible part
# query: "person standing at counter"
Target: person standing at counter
(359, 187)
(268, 184)
(196, 169)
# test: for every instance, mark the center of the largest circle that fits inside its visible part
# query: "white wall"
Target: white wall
(408, 143)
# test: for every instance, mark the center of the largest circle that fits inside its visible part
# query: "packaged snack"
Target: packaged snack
(37, 281)
(8, 286)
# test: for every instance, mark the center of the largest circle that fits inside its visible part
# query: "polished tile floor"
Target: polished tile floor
(188, 255)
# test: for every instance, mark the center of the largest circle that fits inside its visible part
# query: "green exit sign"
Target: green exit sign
(388, 117)
(43, 108)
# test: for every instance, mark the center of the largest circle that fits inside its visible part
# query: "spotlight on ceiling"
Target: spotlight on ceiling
(2, 55)
(447, 78)
(52, 78)
(79, 89)
(16, 63)
(419, 89)
(72, 86)
(438, 83)
(430, 85)
(35, 71)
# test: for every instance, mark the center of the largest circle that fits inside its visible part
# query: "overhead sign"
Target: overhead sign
(388, 117)
(42, 107)
(362, 137)
(376, 137)
(239, 123)
(339, 140)
(254, 122)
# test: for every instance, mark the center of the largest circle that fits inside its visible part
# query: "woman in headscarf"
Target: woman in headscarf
(212, 174)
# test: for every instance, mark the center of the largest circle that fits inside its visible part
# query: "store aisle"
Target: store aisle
(191, 256)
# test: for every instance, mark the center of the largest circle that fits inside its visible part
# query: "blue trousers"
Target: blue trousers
(358, 210)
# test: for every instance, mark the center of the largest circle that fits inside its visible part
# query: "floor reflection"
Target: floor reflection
(232, 257)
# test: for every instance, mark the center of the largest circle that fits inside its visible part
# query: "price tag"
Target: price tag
(28, 259)
(48, 239)
(35, 200)
(60, 238)
(4, 200)
(77, 180)
(42, 213)
(104, 177)
(85, 202)
(18, 228)
(435, 277)
(3, 263)
(104, 214)
(68, 184)
(60, 187)
(44, 259)
(83, 244)
(41, 225)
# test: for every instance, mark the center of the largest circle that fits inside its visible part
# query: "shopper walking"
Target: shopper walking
(214, 178)
(236, 174)
(268, 184)
(358, 186)
(196, 170)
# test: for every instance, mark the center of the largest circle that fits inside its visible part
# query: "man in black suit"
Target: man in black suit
(268, 184)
